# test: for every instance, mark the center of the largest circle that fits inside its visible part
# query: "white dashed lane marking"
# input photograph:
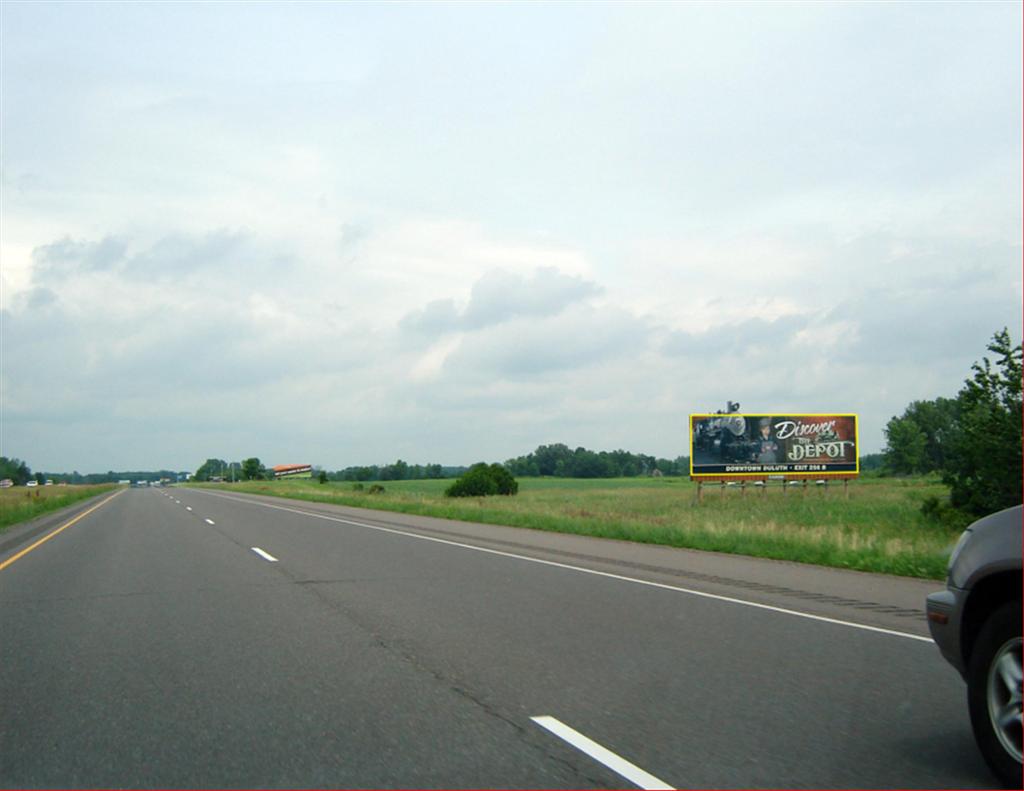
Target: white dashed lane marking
(603, 755)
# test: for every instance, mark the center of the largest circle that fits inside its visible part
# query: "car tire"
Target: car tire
(994, 693)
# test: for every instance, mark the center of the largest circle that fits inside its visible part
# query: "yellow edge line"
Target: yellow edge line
(60, 529)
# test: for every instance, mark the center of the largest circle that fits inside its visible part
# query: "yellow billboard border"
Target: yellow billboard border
(764, 475)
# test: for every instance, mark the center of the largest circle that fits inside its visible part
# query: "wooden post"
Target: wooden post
(846, 488)
(804, 488)
(743, 487)
(700, 491)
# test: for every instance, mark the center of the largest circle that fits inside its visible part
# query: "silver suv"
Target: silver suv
(976, 622)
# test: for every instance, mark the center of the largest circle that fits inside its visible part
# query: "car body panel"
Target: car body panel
(992, 547)
(995, 545)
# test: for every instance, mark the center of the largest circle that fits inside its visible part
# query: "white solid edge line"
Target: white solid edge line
(581, 569)
(264, 555)
(209, 521)
(602, 755)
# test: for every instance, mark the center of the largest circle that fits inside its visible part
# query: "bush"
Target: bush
(941, 512)
(376, 489)
(984, 466)
(482, 480)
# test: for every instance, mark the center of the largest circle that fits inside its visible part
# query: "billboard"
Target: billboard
(722, 445)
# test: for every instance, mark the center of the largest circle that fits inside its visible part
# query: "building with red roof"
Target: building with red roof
(291, 470)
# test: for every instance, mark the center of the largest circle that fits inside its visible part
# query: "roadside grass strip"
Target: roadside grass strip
(58, 531)
(19, 504)
(880, 528)
(602, 755)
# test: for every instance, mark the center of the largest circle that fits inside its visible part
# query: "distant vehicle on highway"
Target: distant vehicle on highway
(976, 622)
(32, 483)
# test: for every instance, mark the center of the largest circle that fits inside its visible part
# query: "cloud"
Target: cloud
(176, 254)
(171, 255)
(69, 257)
(439, 316)
(552, 346)
(736, 341)
(500, 296)
(38, 298)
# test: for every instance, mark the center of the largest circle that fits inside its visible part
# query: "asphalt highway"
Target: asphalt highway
(190, 638)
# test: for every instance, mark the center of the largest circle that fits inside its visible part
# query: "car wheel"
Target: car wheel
(994, 692)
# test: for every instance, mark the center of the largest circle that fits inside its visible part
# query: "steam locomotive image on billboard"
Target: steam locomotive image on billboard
(730, 443)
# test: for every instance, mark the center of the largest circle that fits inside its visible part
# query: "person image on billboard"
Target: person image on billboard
(767, 446)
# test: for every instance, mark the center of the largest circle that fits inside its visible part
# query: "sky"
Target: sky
(346, 234)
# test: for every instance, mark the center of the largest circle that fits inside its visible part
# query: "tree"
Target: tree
(587, 464)
(983, 465)
(210, 468)
(482, 480)
(937, 420)
(905, 448)
(253, 469)
(16, 470)
(918, 439)
(548, 458)
(399, 471)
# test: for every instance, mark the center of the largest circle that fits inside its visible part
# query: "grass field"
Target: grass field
(878, 528)
(19, 503)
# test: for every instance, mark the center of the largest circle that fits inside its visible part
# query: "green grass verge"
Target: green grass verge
(880, 528)
(20, 504)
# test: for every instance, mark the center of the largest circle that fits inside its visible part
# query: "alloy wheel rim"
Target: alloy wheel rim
(1003, 695)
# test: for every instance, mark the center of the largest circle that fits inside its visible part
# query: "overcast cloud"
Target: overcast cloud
(349, 233)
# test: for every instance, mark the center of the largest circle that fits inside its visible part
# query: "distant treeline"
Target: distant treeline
(872, 461)
(19, 472)
(552, 460)
(399, 471)
(112, 476)
(560, 461)
(556, 460)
